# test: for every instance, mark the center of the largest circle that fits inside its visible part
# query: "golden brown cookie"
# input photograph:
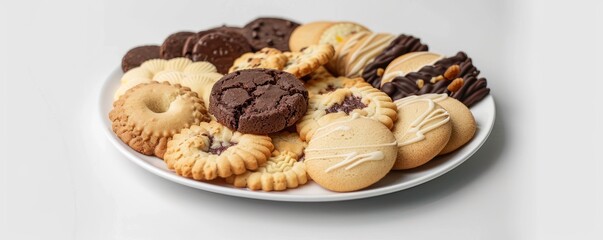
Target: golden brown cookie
(282, 171)
(322, 32)
(407, 63)
(359, 49)
(422, 130)
(325, 84)
(359, 98)
(350, 153)
(461, 118)
(308, 60)
(265, 58)
(149, 114)
(211, 150)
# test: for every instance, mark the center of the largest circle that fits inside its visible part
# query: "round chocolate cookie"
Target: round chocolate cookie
(403, 44)
(270, 32)
(220, 49)
(258, 101)
(237, 34)
(138, 55)
(173, 44)
(455, 76)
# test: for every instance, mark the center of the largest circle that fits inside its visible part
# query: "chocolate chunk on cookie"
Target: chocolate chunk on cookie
(455, 76)
(403, 44)
(138, 55)
(270, 32)
(258, 101)
(173, 44)
(220, 49)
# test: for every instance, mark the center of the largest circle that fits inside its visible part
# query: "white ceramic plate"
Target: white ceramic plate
(484, 113)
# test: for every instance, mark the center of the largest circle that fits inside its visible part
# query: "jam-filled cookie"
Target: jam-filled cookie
(211, 150)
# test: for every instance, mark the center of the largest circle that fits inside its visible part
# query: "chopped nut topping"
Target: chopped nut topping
(420, 83)
(452, 72)
(455, 85)
(436, 79)
(380, 72)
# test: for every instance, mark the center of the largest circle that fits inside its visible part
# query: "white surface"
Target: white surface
(539, 176)
(483, 111)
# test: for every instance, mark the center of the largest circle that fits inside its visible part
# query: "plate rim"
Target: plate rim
(272, 196)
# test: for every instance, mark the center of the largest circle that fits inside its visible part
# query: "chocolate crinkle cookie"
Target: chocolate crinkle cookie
(258, 101)
(455, 76)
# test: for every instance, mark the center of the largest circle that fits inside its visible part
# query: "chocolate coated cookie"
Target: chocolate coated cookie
(138, 55)
(455, 76)
(258, 101)
(270, 32)
(173, 44)
(220, 49)
(403, 44)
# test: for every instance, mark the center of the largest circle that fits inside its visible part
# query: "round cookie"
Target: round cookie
(461, 118)
(455, 76)
(322, 85)
(259, 101)
(282, 171)
(403, 44)
(266, 58)
(350, 154)
(357, 51)
(270, 32)
(358, 97)
(148, 115)
(199, 76)
(423, 129)
(407, 63)
(220, 49)
(308, 60)
(210, 150)
(172, 46)
(136, 56)
(323, 32)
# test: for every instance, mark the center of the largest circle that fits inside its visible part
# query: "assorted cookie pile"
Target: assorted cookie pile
(275, 104)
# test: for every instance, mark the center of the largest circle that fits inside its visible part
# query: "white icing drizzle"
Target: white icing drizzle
(345, 49)
(366, 52)
(352, 117)
(420, 126)
(351, 159)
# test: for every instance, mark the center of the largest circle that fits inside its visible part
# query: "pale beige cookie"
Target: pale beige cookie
(350, 154)
(359, 49)
(307, 34)
(282, 171)
(308, 60)
(463, 122)
(338, 32)
(265, 58)
(407, 63)
(211, 150)
(149, 114)
(422, 130)
(360, 98)
(322, 85)
(175, 71)
(318, 75)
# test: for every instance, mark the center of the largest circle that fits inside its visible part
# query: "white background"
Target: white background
(539, 176)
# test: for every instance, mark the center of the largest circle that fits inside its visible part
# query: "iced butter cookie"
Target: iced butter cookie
(423, 129)
(148, 115)
(210, 150)
(358, 50)
(350, 153)
(323, 32)
(283, 170)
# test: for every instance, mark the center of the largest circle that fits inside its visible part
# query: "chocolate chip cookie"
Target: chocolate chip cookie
(258, 101)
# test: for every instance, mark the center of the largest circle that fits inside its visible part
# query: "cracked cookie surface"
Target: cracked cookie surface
(258, 101)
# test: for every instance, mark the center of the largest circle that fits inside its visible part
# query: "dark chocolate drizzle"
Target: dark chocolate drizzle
(348, 105)
(473, 89)
(403, 44)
